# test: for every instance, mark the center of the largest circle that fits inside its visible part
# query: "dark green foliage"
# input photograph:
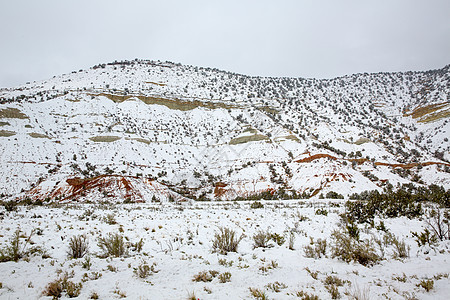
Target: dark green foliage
(352, 229)
(333, 195)
(278, 238)
(10, 205)
(256, 204)
(321, 211)
(406, 201)
(274, 195)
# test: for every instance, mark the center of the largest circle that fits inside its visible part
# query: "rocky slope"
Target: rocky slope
(175, 131)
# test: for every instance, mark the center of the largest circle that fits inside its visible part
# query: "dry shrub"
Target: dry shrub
(261, 239)
(349, 249)
(226, 240)
(78, 246)
(112, 245)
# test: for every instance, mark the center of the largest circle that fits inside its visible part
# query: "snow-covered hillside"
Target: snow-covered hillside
(204, 133)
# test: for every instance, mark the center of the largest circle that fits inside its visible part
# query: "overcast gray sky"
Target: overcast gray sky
(315, 38)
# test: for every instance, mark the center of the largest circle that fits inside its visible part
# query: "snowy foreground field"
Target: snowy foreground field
(169, 253)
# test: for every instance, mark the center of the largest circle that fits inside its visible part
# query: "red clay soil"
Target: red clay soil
(219, 189)
(79, 187)
(363, 160)
(314, 157)
(323, 155)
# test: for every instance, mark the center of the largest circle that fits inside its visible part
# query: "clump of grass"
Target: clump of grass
(276, 286)
(144, 270)
(256, 204)
(110, 219)
(57, 287)
(86, 264)
(291, 240)
(334, 291)
(112, 245)
(224, 262)
(119, 293)
(205, 276)
(426, 284)
(224, 277)
(333, 280)
(278, 238)
(73, 289)
(314, 274)
(322, 211)
(191, 296)
(78, 246)
(316, 249)
(10, 205)
(138, 245)
(16, 249)
(305, 296)
(267, 267)
(331, 285)
(401, 250)
(258, 294)
(226, 240)
(357, 293)
(425, 238)
(261, 239)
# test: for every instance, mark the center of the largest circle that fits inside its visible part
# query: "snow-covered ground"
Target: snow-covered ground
(177, 242)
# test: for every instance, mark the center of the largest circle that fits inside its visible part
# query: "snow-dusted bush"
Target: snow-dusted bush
(78, 246)
(349, 249)
(144, 270)
(261, 239)
(112, 245)
(316, 249)
(226, 240)
(205, 276)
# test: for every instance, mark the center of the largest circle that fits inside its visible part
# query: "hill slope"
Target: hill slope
(202, 132)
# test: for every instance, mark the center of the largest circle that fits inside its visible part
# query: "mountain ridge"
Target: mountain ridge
(192, 129)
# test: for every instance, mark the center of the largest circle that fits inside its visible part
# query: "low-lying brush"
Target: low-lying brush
(144, 270)
(406, 201)
(426, 284)
(78, 246)
(112, 245)
(226, 240)
(258, 294)
(224, 277)
(316, 249)
(349, 249)
(205, 276)
(17, 249)
(56, 288)
(261, 239)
